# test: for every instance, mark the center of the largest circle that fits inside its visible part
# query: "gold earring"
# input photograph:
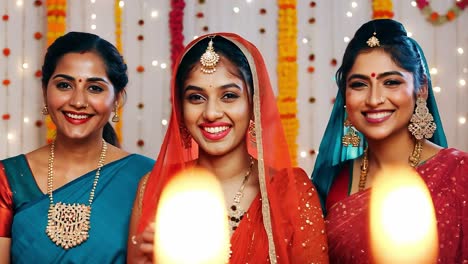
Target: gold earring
(422, 122)
(116, 117)
(350, 137)
(45, 110)
(185, 136)
(252, 132)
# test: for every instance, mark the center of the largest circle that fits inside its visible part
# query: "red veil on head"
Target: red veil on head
(270, 150)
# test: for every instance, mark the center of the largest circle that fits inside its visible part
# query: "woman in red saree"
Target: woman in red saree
(225, 119)
(385, 95)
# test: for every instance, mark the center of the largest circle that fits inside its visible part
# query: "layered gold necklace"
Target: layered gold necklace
(413, 160)
(235, 212)
(68, 224)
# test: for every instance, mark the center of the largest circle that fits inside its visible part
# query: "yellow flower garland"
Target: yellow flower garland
(382, 9)
(56, 26)
(287, 73)
(119, 46)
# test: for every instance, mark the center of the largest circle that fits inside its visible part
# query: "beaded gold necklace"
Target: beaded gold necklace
(413, 161)
(235, 212)
(68, 224)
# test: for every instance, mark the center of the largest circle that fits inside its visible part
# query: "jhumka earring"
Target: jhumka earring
(186, 137)
(209, 59)
(422, 122)
(116, 117)
(252, 132)
(350, 137)
(45, 110)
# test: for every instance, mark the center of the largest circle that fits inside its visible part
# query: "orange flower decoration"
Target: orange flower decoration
(6, 51)
(38, 35)
(38, 73)
(6, 116)
(5, 17)
(140, 69)
(6, 82)
(451, 15)
(434, 16)
(39, 123)
(310, 69)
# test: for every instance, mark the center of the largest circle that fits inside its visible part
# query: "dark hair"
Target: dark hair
(77, 42)
(226, 49)
(394, 41)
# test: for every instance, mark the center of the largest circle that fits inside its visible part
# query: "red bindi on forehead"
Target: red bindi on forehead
(373, 75)
(79, 80)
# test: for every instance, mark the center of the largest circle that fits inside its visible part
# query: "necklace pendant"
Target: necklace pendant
(68, 224)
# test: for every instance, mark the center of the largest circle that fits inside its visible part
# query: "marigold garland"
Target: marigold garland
(287, 73)
(438, 19)
(119, 46)
(176, 26)
(382, 9)
(56, 26)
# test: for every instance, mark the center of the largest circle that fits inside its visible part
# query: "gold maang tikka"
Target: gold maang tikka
(373, 41)
(209, 59)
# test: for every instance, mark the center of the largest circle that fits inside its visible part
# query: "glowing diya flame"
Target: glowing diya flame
(191, 222)
(403, 226)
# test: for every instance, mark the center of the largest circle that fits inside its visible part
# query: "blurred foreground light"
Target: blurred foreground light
(403, 226)
(191, 223)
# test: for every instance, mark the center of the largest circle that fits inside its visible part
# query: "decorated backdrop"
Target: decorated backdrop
(302, 42)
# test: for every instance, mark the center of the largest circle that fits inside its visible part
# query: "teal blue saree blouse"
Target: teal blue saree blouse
(110, 214)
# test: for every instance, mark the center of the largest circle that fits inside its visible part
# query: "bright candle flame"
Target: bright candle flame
(191, 223)
(403, 225)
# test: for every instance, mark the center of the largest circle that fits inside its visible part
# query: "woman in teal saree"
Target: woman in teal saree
(109, 220)
(56, 205)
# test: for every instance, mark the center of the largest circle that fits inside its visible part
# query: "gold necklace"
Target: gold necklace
(235, 212)
(413, 161)
(68, 224)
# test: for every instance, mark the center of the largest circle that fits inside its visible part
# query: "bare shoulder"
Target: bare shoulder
(38, 159)
(38, 155)
(430, 150)
(115, 153)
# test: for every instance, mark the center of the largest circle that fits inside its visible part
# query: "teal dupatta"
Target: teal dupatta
(110, 214)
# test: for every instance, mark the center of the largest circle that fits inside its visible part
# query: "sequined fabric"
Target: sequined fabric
(446, 176)
(305, 243)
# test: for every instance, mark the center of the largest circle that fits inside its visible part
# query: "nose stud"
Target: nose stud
(78, 104)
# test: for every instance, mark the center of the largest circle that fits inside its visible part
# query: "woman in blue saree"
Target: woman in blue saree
(56, 205)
